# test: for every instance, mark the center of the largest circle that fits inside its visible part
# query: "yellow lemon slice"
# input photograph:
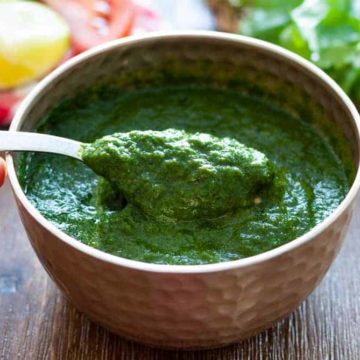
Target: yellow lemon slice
(33, 39)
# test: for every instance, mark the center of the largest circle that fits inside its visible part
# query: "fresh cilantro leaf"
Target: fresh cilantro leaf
(326, 32)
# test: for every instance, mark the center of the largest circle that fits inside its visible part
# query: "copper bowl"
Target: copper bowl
(202, 305)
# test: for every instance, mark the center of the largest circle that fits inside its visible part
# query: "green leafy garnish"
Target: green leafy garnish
(327, 32)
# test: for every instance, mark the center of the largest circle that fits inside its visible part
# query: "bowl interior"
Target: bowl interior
(248, 66)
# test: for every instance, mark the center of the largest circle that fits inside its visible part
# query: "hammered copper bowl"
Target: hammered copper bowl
(203, 305)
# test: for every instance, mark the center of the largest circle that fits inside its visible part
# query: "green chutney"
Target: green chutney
(217, 201)
(172, 175)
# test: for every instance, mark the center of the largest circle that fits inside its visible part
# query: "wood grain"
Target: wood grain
(36, 322)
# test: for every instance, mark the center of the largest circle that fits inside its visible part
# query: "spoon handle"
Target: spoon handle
(27, 141)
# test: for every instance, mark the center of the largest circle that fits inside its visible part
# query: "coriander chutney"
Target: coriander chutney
(173, 175)
(299, 182)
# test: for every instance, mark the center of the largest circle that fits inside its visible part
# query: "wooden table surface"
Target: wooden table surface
(36, 322)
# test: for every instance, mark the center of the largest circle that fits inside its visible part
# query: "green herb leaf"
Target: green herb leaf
(326, 32)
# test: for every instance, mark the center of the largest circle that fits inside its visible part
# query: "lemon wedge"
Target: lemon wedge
(33, 39)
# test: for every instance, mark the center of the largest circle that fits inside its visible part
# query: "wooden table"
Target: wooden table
(36, 322)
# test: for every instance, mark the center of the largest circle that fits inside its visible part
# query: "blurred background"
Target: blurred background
(37, 36)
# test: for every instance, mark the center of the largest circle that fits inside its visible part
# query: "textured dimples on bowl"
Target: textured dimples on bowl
(190, 306)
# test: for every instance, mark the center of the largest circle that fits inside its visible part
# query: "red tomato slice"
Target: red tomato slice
(8, 102)
(2, 171)
(93, 22)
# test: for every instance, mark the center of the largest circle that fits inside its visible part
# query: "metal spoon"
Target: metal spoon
(27, 141)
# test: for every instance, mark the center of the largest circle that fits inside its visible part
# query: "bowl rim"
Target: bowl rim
(183, 269)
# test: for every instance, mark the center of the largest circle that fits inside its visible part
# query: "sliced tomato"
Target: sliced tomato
(93, 22)
(8, 102)
(2, 171)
